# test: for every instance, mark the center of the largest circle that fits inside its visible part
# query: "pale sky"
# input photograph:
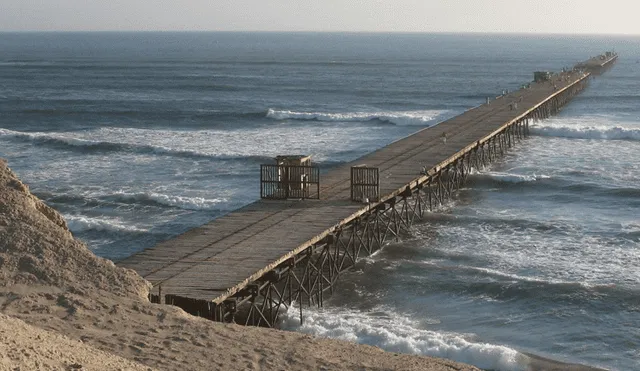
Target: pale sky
(543, 16)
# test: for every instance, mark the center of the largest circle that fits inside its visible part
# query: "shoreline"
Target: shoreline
(53, 282)
(85, 311)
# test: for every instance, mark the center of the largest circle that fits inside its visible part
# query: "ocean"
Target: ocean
(137, 137)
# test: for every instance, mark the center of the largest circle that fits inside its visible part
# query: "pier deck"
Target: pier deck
(216, 261)
(599, 62)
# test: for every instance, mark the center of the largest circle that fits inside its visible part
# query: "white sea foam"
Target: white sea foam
(404, 118)
(513, 178)
(25, 63)
(81, 223)
(33, 135)
(182, 202)
(399, 334)
(616, 132)
(68, 140)
(208, 144)
(516, 277)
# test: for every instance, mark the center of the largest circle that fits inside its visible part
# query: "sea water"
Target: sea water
(137, 137)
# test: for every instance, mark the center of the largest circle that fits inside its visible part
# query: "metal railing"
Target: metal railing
(280, 182)
(365, 184)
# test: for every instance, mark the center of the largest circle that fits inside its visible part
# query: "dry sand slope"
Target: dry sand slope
(35, 349)
(97, 316)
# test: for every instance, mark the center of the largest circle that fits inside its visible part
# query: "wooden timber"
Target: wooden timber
(221, 259)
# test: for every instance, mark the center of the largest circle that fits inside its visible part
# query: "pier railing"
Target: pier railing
(365, 184)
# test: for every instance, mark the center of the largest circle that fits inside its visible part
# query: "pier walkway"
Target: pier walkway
(598, 63)
(272, 252)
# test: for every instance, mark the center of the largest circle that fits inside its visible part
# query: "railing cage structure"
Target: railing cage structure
(281, 182)
(365, 184)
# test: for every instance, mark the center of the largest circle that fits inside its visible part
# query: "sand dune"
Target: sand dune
(32, 348)
(96, 315)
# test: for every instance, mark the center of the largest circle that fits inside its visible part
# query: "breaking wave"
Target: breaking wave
(587, 132)
(497, 274)
(94, 146)
(22, 63)
(401, 118)
(87, 145)
(143, 198)
(79, 224)
(501, 177)
(505, 181)
(499, 221)
(181, 202)
(398, 334)
(497, 285)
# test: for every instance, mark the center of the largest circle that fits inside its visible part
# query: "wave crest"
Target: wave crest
(398, 334)
(144, 198)
(97, 146)
(498, 285)
(79, 224)
(587, 132)
(87, 145)
(401, 118)
(501, 177)
(181, 202)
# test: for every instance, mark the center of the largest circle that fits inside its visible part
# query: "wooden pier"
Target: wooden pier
(598, 64)
(248, 265)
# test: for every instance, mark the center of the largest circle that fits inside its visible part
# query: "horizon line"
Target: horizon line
(527, 33)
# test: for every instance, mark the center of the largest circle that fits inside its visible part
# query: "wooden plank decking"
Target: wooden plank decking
(214, 261)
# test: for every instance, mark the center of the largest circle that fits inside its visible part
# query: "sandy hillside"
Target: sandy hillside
(53, 282)
(35, 349)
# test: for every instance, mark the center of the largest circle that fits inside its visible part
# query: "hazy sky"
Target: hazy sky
(546, 16)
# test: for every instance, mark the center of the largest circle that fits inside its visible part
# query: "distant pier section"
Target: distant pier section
(308, 228)
(599, 64)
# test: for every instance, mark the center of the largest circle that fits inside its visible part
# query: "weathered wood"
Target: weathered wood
(216, 261)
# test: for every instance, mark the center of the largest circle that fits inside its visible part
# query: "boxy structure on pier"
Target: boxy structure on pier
(291, 177)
